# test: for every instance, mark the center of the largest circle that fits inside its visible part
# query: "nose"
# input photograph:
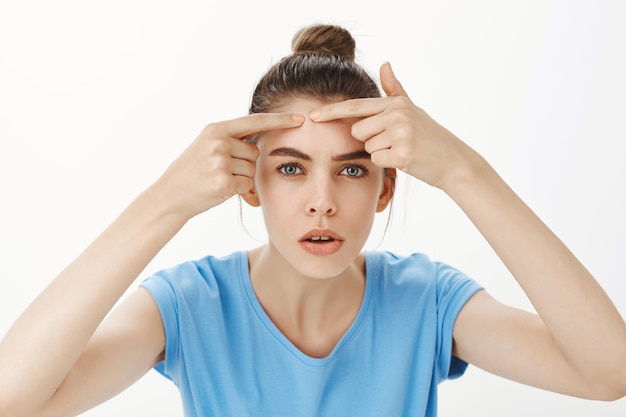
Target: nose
(322, 201)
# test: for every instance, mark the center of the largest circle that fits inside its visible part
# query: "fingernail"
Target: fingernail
(297, 118)
(314, 115)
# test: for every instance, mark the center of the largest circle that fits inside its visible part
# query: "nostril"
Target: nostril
(328, 212)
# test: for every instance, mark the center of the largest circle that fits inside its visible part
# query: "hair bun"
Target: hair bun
(324, 40)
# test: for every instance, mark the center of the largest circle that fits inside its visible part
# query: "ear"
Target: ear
(389, 186)
(252, 198)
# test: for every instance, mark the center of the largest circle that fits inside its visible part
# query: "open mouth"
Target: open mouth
(321, 242)
(320, 239)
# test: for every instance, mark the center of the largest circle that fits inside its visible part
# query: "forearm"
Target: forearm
(47, 339)
(583, 321)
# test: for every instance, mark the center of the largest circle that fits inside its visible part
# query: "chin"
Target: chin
(318, 266)
(322, 267)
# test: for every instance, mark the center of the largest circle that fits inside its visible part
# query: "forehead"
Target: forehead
(333, 136)
(301, 105)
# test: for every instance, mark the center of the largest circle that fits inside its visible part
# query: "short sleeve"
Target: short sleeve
(164, 295)
(454, 289)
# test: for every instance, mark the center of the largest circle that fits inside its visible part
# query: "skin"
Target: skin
(85, 360)
(571, 346)
(313, 299)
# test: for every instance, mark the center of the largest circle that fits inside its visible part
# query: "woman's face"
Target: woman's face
(319, 192)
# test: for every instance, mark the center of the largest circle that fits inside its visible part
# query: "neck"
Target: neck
(313, 313)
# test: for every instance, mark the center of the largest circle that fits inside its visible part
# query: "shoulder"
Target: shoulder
(206, 275)
(417, 271)
(412, 267)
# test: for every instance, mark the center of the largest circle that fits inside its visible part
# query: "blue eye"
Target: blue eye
(354, 171)
(290, 169)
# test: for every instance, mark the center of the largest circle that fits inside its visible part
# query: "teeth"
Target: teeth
(318, 238)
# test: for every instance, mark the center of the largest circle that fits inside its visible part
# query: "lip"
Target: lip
(321, 233)
(321, 247)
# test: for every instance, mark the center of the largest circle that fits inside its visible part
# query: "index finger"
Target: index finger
(252, 124)
(357, 107)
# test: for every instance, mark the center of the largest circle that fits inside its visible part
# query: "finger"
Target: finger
(378, 143)
(242, 168)
(244, 150)
(368, 127)
(247, 126)
(242, 184)
(358, 107)
(390, 83)
(384, 158)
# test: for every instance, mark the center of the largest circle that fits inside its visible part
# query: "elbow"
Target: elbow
(617, 392)
(608, 383)
(610, 388)
(610, 395)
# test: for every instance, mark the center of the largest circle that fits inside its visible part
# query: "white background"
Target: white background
(96, 98)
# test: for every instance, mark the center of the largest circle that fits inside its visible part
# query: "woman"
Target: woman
(308, 324)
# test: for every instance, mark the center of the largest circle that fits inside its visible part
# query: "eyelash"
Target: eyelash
(281, 169)
(362, 174)
(363, 171)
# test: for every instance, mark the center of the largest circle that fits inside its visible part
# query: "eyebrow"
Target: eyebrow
(295, 153)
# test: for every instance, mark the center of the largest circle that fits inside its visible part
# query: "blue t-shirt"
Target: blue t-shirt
(229, 359)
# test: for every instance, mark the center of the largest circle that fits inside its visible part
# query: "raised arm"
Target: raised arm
(576, 345)
(51, 363)
(578, 339)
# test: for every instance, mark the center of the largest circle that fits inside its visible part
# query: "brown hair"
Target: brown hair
(322, 67)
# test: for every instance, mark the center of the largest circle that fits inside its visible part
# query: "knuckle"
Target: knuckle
(354, 106)
(328, 108)
(403, 131)
(218, 147)
(263, 121)
(400, 101)
(211, 129)
(255, 117)
(222, 182)
(400, 116)
(404, 100)
(257, 120)
(395, 118)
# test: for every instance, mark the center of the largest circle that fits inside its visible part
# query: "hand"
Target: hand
(219, 163)
(398, 134)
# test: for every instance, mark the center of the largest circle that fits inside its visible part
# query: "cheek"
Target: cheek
(276, 196)
(366, 191)
(360, 203)
(365, 209)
